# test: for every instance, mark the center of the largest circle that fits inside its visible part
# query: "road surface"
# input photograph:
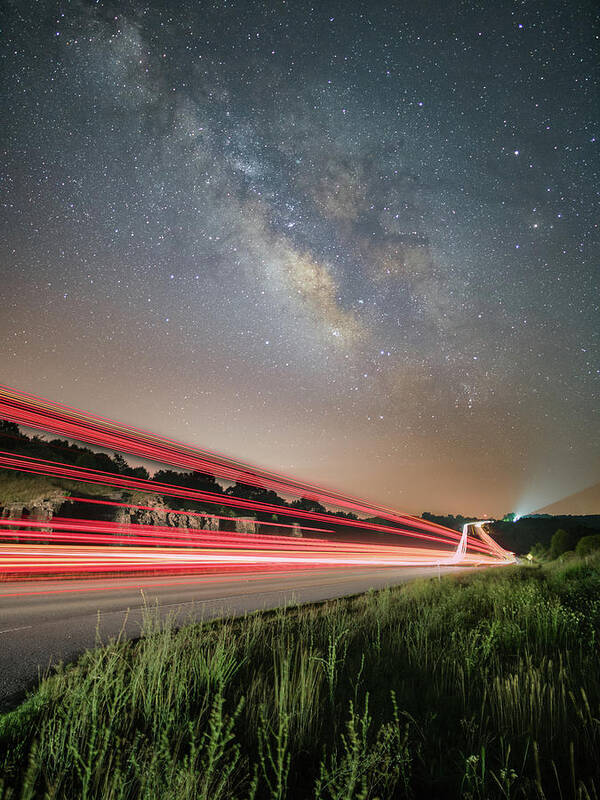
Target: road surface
(47, 621)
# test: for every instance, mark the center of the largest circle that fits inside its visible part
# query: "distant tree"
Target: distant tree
(168, 476)
(203, 482)
(10, 436)
(509, 517)
(120, 463)
(10, 429)
(449, 520)
(306, 504)
(105, 463)
(139, 472)
(269, 496)
(345, 515)
(560, 543)
(538, 552)
(86, 459)
(255, 493)
(587, 545)
(567, 555)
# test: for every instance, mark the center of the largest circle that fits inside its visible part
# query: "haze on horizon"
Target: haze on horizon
(356, 243)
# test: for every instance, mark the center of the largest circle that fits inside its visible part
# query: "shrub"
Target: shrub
(560, 543)
(587, 545)
(486, 685)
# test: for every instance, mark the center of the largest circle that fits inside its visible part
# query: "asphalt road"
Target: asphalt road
(45, 622)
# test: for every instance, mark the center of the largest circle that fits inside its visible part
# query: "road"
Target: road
(44, 622)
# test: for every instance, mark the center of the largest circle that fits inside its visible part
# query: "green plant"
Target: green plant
(484, 685)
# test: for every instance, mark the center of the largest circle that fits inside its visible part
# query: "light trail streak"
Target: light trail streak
(23, 559)
(106, 532)
(44, 414)
(199, 514)
(493, 546)
(65, 546)
(135, 548)
(43, 467)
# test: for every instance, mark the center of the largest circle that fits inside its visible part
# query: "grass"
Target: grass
(480, 686)
(16, 488)
(31, 489)
(25, 489)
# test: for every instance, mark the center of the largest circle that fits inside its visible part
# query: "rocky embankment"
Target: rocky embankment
(47, 503)
(157, 513)
(39, 507)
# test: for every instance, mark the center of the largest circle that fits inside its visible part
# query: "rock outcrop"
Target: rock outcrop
(245, 525)
(157, 514)
(40, 508)
(52, 502)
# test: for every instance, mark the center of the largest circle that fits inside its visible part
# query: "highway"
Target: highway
(44, 622)
(203, 568)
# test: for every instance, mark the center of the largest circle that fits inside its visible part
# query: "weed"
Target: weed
(487, 686)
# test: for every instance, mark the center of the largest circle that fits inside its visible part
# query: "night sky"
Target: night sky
(357, 242)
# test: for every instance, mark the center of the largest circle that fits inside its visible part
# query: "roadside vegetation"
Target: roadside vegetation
(18, 488)
(32, 490)
(535, 533)
(564, 546)
(484, 685)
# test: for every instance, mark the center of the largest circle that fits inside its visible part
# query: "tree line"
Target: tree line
(544, 536)
(78, 455)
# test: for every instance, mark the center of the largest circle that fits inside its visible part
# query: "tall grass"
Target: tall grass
(17, 488)
(479, 686)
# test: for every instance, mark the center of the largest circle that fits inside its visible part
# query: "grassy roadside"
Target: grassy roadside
(485, 686)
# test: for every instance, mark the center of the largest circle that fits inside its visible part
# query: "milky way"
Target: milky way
(357, 242)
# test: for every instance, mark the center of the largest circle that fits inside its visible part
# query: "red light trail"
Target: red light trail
(200, 514)
(65, 546)
(42, 467)
(35, 412)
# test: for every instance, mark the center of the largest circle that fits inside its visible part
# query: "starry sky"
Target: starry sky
(356, 242)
